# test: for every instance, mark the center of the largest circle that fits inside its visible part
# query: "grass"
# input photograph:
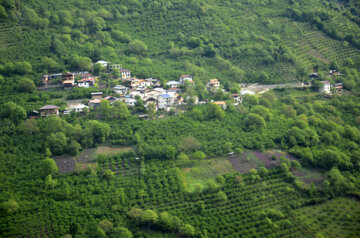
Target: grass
(203, 171)
(106, 150)
(310, 175)
(339, 217)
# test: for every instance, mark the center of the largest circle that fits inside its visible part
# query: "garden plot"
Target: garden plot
(256, 159)
(66, 163)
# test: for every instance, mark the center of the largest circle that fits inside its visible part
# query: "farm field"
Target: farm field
(339, 217)
(66, 163)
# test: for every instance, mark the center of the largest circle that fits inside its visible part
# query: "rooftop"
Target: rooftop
(213, 81)
(49, 107)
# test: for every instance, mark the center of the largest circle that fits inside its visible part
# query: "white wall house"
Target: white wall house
(325, 88)
(173, 84)
(165, 101)
(120, 89)
(184, 78)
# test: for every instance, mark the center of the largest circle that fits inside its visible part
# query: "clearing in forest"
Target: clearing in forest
(308, 176)
(66, 163)
(203, 171)
(339, 217)
(106, 150)
(256, 159)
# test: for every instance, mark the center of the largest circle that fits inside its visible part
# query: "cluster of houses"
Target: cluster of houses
(81, 79)
(326, 85)
(149, 90)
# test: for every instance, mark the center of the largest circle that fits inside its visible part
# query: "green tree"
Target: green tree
(98, 131)
(9, 207)
(74, 148)
(151, 110)
(13, 112)
(81, 63)
(121, 232)
(254, 122)
(136, 213)
(137, 47)
(50, 65)
(105, 109)
(198, 155)
(188, 230)
(49, 182)
(106, 225)
(289, 111)
(221, 196)
(48, 166)
(57, 143)
(108, 174)
(98, 69)
(214, 111)
(149, 217)
(26, 85)
(121, 110)
(189, 144)
(261, 111)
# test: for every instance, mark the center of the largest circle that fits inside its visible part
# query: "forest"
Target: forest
(282, 163)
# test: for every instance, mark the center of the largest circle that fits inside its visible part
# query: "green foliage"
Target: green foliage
(12, 112)
(57, 143)
(9, 207)
(48, 167)
(26, 85)
(198, 155)
(189, 144)
(254, 122)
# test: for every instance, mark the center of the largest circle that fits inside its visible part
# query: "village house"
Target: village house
(247, 92)
(139, 83)
(222, 104)
(325, 88)
(48, 78)
(186, 77)
(33, 114)
(103, 63)
(111, 99)
(173, 84)
(67, 77)
(94, 103)
(97, 95)
(153, 82)
(313, 75)
(307, 84)
(213, 85)
(193, 99)
(125, 73)
(130, 102)
(149, 101)
(79, 108)
(174, 90)
(49, 110)
(237, 97)
(85, 83)
(120, 89)
(68, 84)
(165, 101)
(338, 86)
(334, 72)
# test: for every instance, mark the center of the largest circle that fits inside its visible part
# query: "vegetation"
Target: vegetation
(281, 163)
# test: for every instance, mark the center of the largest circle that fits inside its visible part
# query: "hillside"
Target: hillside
(239, 41)
(231, 118)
